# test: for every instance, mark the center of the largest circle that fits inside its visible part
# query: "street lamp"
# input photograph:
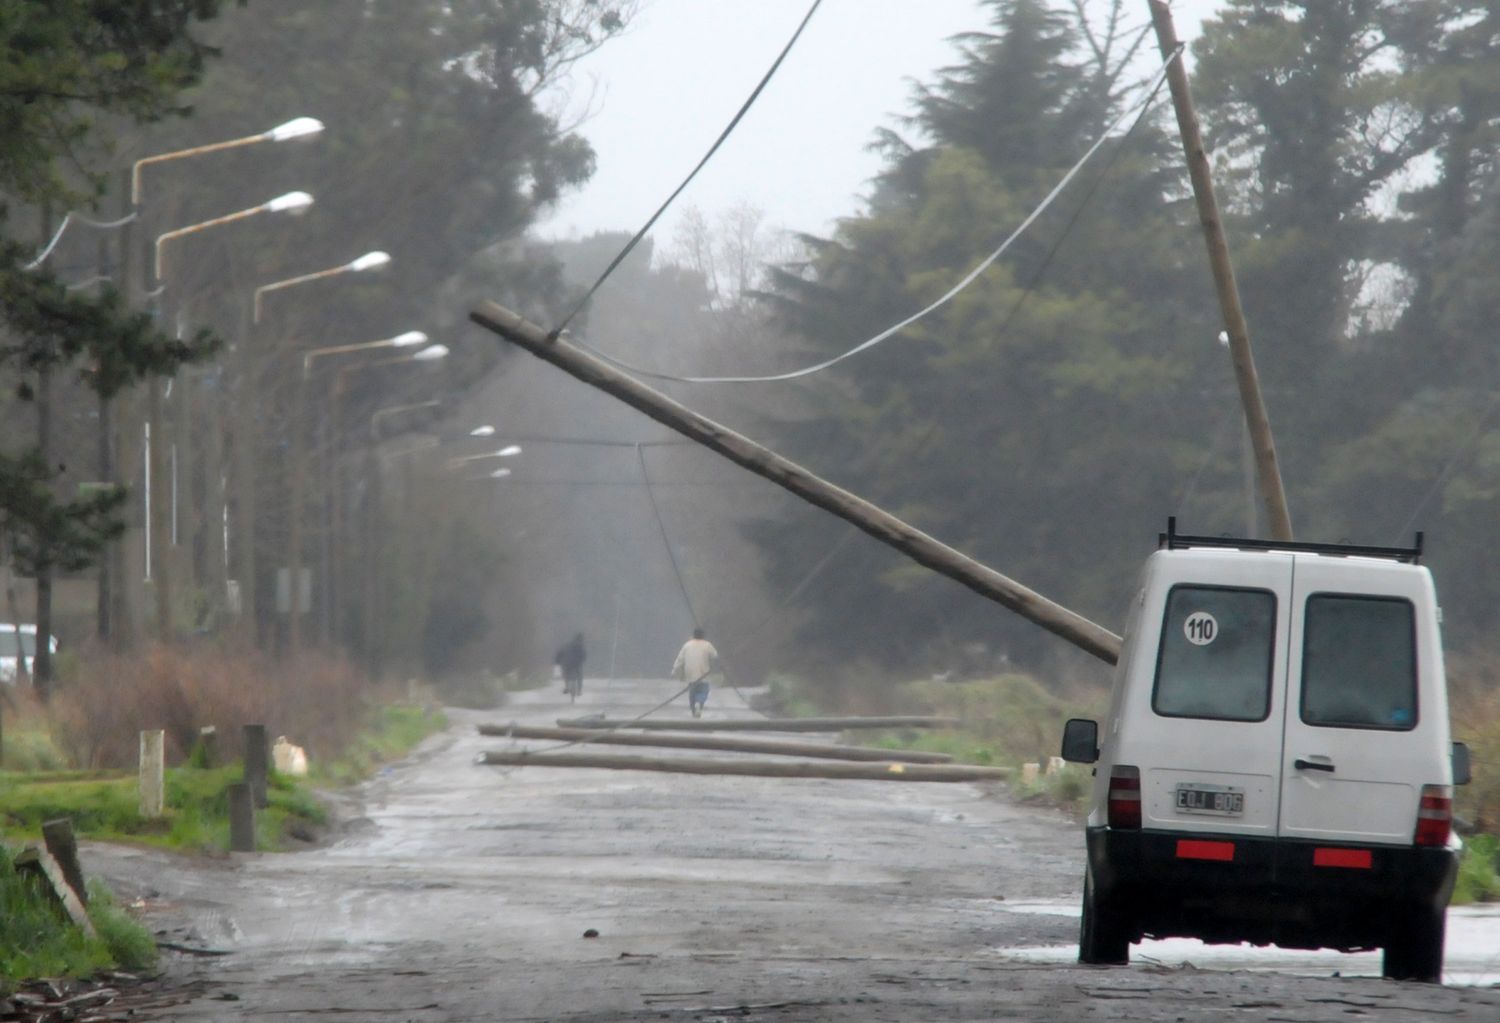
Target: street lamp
(509, 451)
(394, 410)
(376, 260)
(406, 340)
(297, 128)
(291, 202)
(299, 465)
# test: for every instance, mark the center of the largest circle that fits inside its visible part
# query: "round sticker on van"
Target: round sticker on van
(1201, 628)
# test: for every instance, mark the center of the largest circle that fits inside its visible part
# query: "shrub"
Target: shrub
(1479, 873)
(319, 702)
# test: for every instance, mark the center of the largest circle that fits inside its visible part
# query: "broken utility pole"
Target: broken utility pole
(764, 724)
(822, 751)
(883, 526)
(1267, 471)
(752, 768)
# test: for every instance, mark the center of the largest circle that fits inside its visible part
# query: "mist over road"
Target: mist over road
(464, 892)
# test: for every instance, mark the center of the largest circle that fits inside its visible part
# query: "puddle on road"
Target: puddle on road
(1471, 958)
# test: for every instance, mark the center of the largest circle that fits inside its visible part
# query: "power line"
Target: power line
(744, 108)
(1015, 309)
(948, 296)
(67, 219)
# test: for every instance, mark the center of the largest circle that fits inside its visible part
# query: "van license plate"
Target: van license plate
(1216, 800)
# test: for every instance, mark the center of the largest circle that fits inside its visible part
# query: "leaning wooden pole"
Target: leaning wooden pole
(762, 461)
(753, 768)
(762, 724)
(1267, 470)
(820, 751)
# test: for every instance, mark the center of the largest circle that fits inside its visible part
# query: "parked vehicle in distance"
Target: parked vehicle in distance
(1276, 767)
(13, 645)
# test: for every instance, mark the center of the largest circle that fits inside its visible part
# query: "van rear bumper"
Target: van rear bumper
(1295, 894)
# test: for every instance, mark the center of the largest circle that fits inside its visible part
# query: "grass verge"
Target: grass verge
(37, 939)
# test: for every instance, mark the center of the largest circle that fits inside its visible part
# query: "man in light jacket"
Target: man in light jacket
(695, 662)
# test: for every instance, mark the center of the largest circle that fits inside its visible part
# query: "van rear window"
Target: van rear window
(1214, 660)
(1359, 662)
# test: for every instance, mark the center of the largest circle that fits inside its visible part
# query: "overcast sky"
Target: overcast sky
(662, 93)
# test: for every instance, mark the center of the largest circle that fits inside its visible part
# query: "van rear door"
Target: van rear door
(1211, 751)
(1359, 743)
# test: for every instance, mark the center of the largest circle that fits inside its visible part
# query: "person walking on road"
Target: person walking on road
(695, 662)
(570, 658)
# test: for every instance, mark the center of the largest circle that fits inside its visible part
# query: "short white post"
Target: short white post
(153, 773)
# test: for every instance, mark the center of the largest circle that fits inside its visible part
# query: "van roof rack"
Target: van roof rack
(1173, 540)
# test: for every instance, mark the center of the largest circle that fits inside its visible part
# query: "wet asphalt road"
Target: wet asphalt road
(462, 892)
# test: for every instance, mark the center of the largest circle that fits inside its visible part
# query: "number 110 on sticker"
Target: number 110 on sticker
(1200, 628)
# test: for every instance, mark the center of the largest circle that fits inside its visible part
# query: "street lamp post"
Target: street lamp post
(294, 203)
(245, 431)
(297, 128)
(299, 470)
(335, 557)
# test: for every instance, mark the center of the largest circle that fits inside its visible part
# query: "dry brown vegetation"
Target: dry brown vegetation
(1475, 695)
(99, 711)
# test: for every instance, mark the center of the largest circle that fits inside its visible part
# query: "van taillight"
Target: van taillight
(1125, 797)
(1434, 815)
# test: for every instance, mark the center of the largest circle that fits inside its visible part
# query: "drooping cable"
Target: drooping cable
(733, 123)
(948, 296)
(1031, 285)
(67, 219)
(666, 542)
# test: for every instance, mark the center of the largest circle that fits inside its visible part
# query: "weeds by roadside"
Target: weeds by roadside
(37, 940)
(76, 759)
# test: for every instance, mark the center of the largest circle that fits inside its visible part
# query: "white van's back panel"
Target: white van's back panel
(1216, 717)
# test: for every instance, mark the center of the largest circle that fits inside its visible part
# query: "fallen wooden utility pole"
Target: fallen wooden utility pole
(1257, 421)
(761, 724)
(762, 461)
(754, 768)
(714, 742)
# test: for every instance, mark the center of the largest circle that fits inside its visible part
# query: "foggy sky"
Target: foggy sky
(659, 96)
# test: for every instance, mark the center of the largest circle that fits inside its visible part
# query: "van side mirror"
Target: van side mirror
(1080, 744)
(1461, 774)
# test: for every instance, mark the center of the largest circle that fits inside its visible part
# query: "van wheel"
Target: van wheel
(1104, 936)
(1415, 949)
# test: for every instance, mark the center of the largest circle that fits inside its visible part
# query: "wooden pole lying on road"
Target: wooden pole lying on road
(762, 724)
(714, 742)
(754, 768)
(883, 526)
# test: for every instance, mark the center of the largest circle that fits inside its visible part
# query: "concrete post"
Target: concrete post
(153, 773)
(257, 758)
(58, 837)
(241, 818)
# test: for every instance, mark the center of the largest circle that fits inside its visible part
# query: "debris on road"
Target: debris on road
(755, 768)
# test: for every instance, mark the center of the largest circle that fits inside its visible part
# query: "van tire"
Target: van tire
(1415, 950)
(1104, 936)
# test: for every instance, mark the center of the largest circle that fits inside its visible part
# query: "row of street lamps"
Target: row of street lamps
(245, 496)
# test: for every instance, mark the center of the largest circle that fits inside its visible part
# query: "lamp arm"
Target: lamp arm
(212, 147)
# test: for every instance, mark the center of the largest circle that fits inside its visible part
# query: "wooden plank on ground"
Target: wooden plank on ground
(755, 768)
(761, 724)
(716, 742)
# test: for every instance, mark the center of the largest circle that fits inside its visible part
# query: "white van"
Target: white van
(14, 645)
(1276, 767)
